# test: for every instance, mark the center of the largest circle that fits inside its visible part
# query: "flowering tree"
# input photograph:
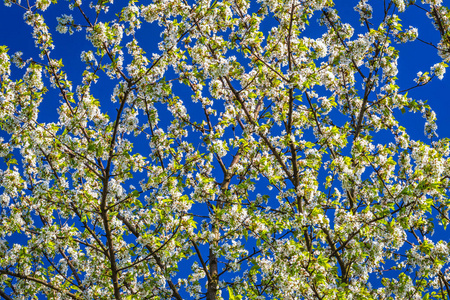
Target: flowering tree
(233, 162)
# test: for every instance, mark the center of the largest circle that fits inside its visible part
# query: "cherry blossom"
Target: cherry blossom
(252, 150)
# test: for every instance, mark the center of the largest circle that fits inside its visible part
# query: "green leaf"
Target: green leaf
(232, 296)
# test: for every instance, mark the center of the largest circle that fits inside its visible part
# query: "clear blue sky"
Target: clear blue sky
(414, 56)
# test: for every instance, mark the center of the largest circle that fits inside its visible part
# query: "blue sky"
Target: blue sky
(414, 56)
